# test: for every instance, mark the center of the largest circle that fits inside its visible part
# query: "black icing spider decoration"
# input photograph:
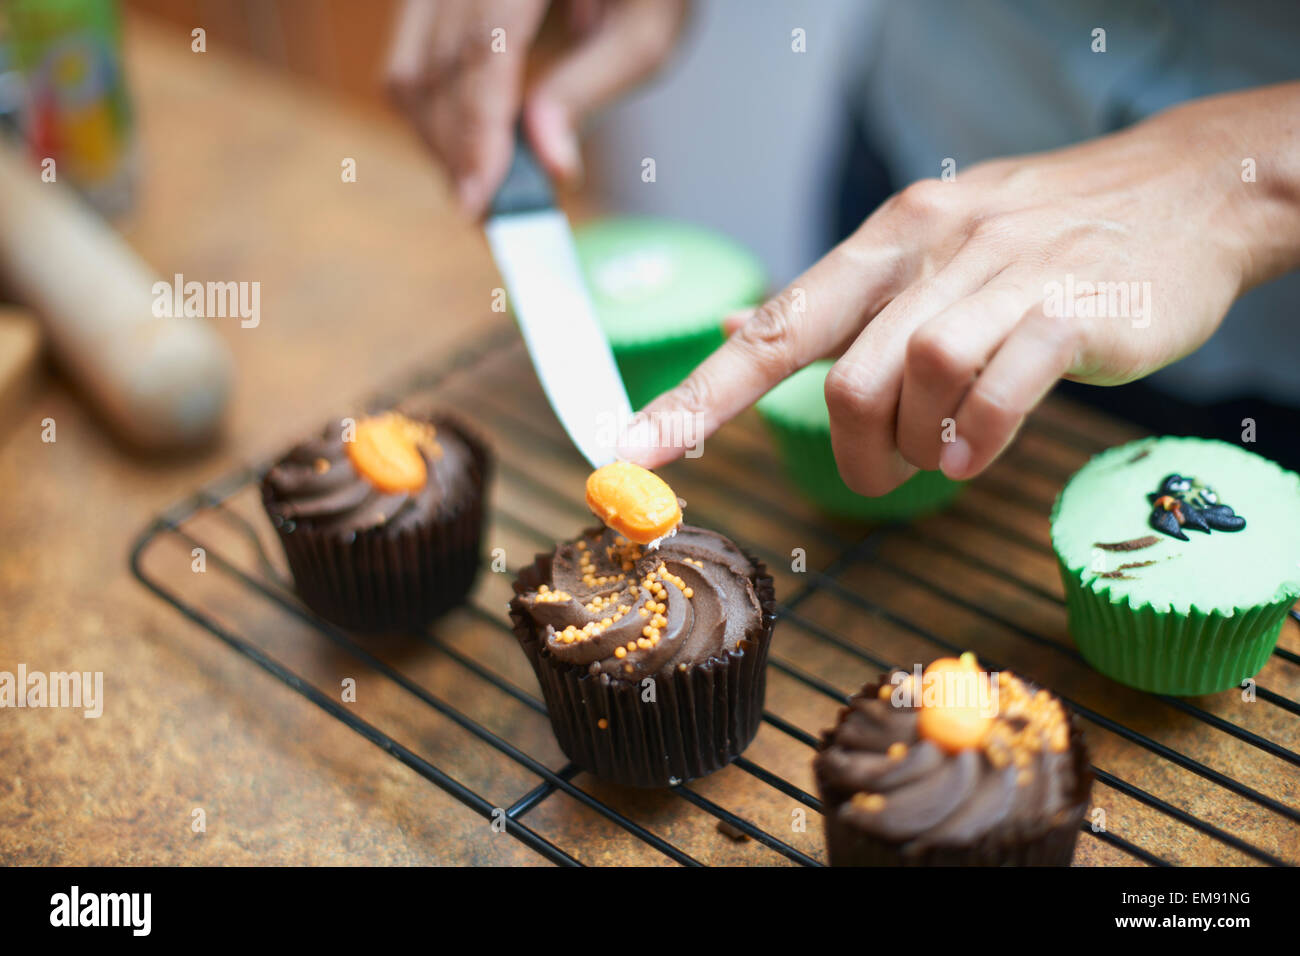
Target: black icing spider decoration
(1186, 503)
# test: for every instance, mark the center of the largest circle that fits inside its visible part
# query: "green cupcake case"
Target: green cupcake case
(1178, 606)
(661, 290)
(796, 414)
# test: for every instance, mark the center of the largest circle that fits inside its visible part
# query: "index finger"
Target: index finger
(812, 317)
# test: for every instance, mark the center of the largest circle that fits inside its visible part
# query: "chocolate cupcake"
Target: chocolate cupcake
(953, 768)
(651, 660)
(381, 519)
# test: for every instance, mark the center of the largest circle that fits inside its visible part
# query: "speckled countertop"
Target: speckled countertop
(382, 279)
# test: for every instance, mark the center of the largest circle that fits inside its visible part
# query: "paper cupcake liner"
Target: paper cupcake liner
(651, 368)
(1047, 842)
(382, 580)
(810, 462)
(701, 720)
(1167, 652)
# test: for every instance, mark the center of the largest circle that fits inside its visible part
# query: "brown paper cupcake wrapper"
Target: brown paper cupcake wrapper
(701, 719)
(1040, 843)
(384, 581)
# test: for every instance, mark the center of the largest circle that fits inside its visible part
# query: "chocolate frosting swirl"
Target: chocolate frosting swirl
(315, 485)
(602, 582)
(879, 775)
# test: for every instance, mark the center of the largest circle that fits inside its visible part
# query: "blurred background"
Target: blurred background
(745, 142)
(747, 136)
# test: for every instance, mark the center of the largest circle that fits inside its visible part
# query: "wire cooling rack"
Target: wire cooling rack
(1209, 780)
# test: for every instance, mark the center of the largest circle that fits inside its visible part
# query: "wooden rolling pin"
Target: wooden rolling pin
(160, 382)
(20, 353)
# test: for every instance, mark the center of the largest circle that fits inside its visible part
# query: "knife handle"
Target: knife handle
(527, 188)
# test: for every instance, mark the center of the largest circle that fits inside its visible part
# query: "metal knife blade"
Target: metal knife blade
(533, 246)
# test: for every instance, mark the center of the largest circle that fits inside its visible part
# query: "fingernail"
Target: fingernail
(551, 127)
(569, 158)
(955, 459)
(467, 193)
(733, 321)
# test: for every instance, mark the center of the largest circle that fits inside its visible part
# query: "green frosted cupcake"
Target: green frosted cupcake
(1180, 558)
(661, 290)
(796, 414)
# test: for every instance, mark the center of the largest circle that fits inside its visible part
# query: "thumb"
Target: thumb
(628, 43)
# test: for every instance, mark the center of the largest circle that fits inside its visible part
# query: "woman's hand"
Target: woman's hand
(958, 304)
(463, 86)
